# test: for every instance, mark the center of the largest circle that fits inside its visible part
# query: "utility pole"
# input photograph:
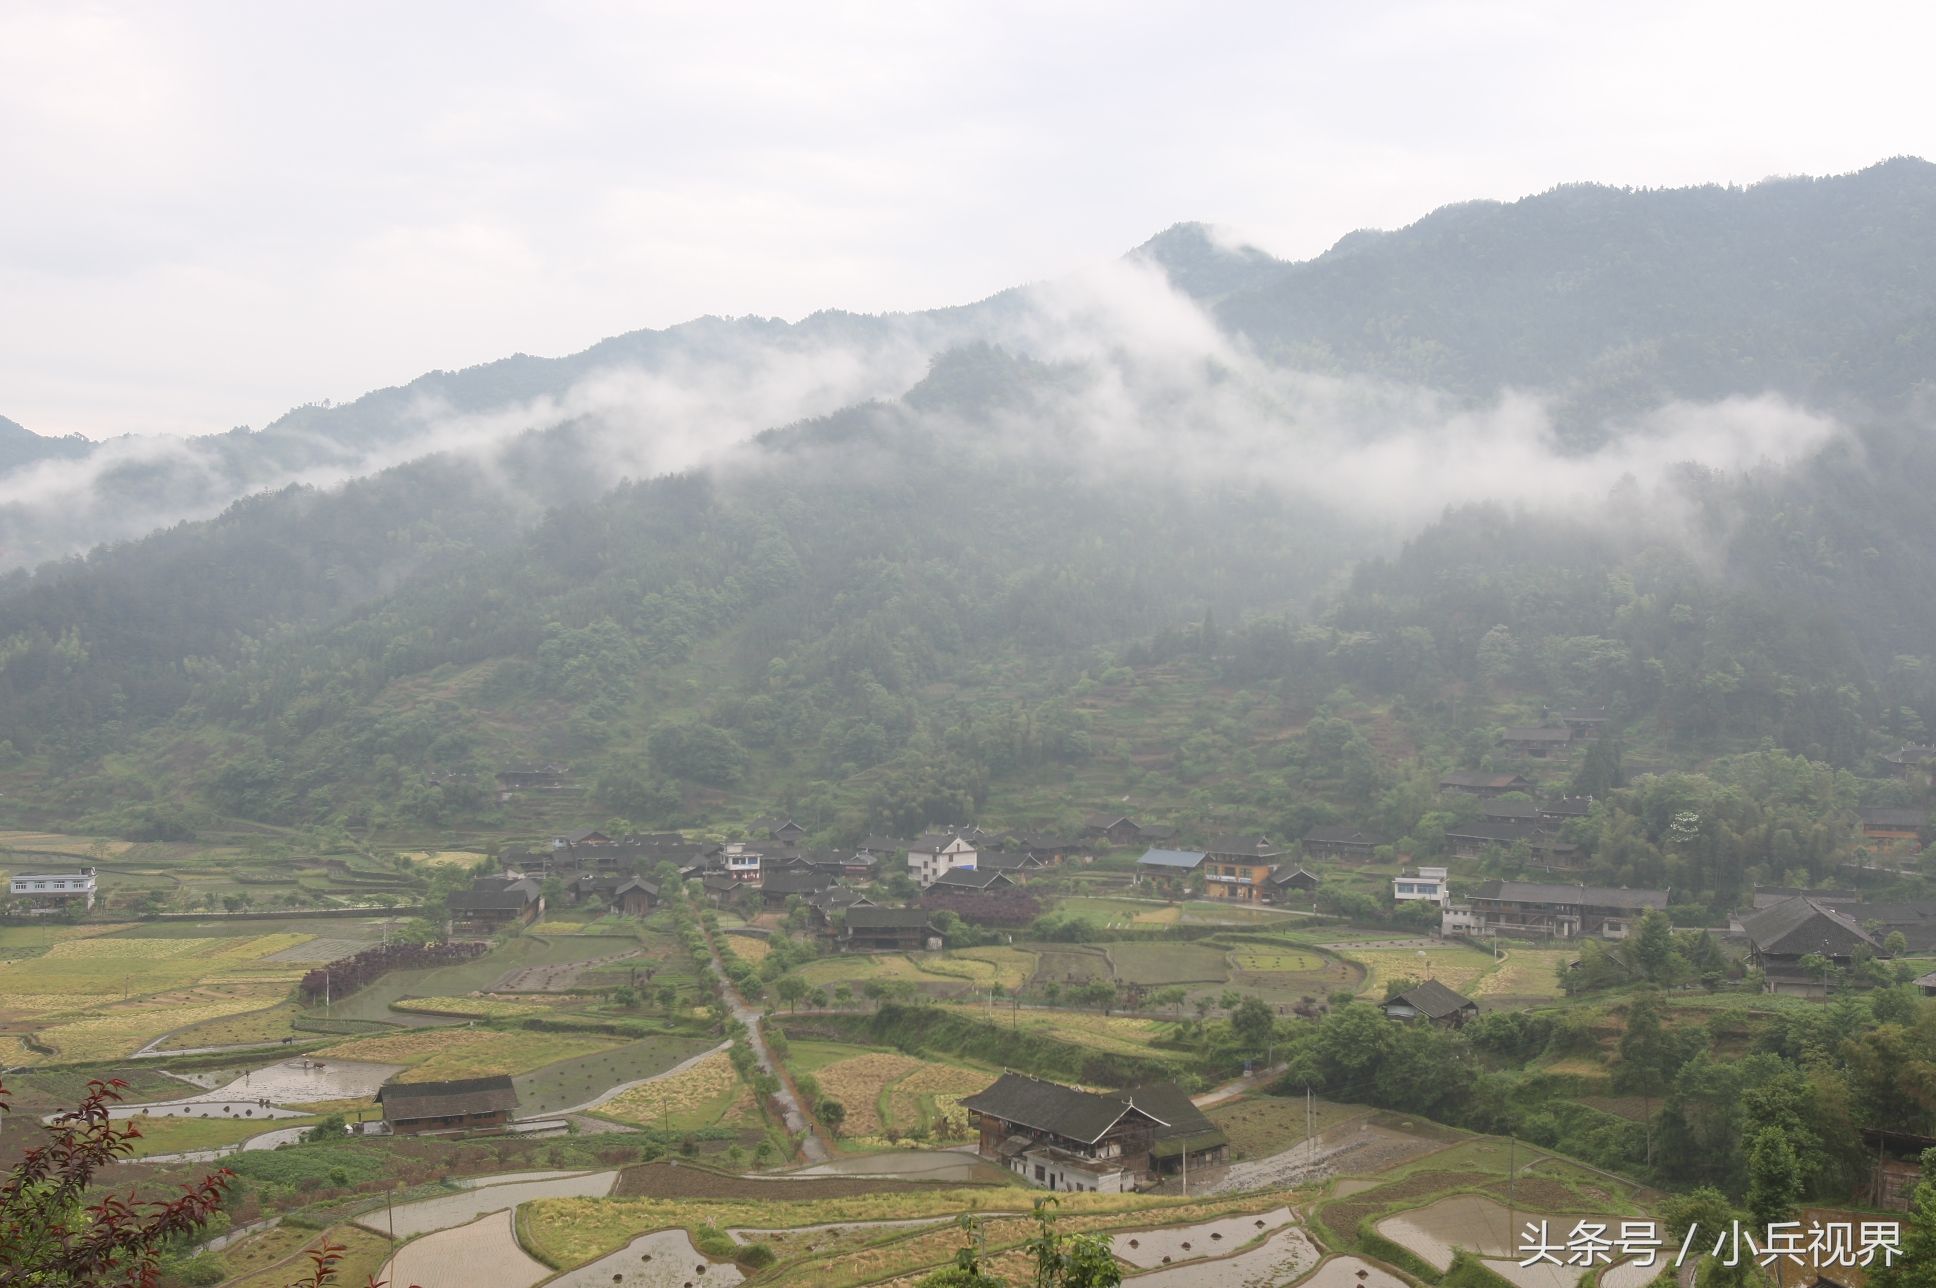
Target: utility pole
(1310, 1132)
(1186, 1167)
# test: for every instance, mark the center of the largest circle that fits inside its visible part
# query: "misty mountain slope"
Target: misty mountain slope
(21, 446)
(1603, 303)
(1621, 298)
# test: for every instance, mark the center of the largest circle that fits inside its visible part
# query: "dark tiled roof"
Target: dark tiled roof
(969, 879)
(805, 881)
(1798, 926)
(1284, 874)
(1896, 818)
(1433, 1000)
(512, 900)
(1103, 822)
(406, 1100)
(1084, 1116)
(1583, 895)
(1503, 808)
(1243, 847)
(871, 918)
(1567, 807)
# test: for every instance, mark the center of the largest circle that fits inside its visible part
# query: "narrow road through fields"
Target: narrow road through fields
(812, 1148)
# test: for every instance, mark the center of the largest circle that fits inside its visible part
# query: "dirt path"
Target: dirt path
(798, 1121)
(1237, 1087)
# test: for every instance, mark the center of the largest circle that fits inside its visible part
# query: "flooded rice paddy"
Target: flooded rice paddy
(1279, 1260)
(663, 1259)
(1146, 1249)
(449, 1210)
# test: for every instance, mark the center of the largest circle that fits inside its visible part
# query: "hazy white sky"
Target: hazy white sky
(212, 212)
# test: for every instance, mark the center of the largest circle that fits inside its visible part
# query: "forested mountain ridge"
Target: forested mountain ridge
(1024, 578)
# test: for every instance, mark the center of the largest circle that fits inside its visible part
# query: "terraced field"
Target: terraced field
(698, 1096)
(435, 1055)
(1167, 963)
(1457, 967)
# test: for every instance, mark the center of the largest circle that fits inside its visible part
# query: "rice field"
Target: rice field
(1120, 912)
(749, 948)
(121, 1028)
(697, 1096)
(1167, 963)
(1257, 958)
(1454, 965)
(1125, 1035)
(103, 966)
(1526, 972)
(829, 972)
(60, 843)
(433, 1055)
(269, 1024)
(1012, 966)
(486, 1007)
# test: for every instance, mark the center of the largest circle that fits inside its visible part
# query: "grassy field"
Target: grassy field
(1120, 912)
(1069, 965)
(282, 1261)
(436, 1055)
(1526, 972)
(168, 1135)
(1118, 1033)
(487, 1008)
(113, 1028)
(1259, 1126)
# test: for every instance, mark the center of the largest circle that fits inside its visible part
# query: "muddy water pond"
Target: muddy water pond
(1279, 1260)
(1352, 1272)
(1353, 1185)
(292, 1082)
(663, 1259)
(483, 1254)
(1468, 1221)
(1147, 1248)
(1630, 1274)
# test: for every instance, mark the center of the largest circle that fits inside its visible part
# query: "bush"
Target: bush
(755, 1256)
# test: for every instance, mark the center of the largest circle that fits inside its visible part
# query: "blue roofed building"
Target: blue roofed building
(1171, 869)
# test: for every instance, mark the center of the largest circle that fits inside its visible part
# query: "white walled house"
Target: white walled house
(742, 863)
(936, 853)
(1427, 884)
(48, 890)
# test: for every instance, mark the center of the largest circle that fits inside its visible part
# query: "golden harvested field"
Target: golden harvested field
(932, 1095)
(59, 843)
(1526, 972)
(693, 1097)
(104, 967)
(438, 1054)
(442, 858)
(486, 1008)
(1012, 966)
(1457, 967)
(270, 1024)
(15, 939)
(572, 1231)
(122, 1028)
(748, 948)
(857, 1083)
(827, 972)
(1116, 1033)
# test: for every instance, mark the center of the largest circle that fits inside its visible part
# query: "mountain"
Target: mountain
(1232, 547)
(21, 446)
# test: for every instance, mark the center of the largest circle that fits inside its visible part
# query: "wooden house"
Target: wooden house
(637, 897)
(1350, 844)
(1899, 828)
(1549, 909)
(780, 828)
(1781, 936)
(1168, 869)
(465, 1104)
(494, 903)
(1063, 1138)
(970, 881)
(778, 887)
(887, 930)
(1289, 881)
(1536, 740)
(1236, 868)
(1585, 722)
(1432, 1002)
(1116, 829)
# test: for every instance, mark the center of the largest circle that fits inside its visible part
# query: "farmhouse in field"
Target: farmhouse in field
(466, 1104)
(1105, 1142)
(1432, 1002)
(868, 929)
(46, 891)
